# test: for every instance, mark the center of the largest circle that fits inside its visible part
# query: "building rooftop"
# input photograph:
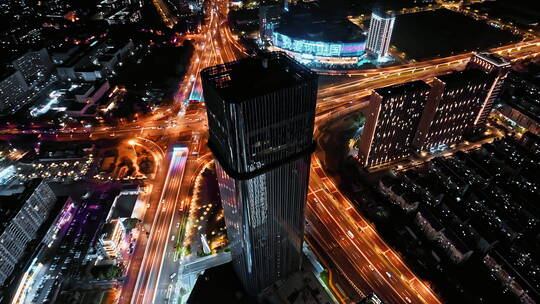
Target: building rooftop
(399, 89)
(240, 80)
(494, 59)
(432, 219)
(6, 72)
(105, 58)
(124, 206)
(462, 76)
(443, 32)
(456, 241)
(81, 89)
(312, 25)
(523, 95)
(107, 230)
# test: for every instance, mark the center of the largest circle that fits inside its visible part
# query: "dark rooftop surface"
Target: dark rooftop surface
(124, 206)
(412, 86)
(440, 33)
(463, 76)
(355, 7)
(6, 71)
(107, 230)
(247, 78)
(523, 93)
(523, 13)
(219, 285)
(433, 221)
(314, 25)
(72, 105)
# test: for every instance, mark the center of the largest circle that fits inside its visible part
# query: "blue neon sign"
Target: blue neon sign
(318, 48)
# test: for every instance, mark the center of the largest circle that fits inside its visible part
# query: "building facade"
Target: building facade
(110, 240)
(22, 220)
(269, 17)
(261, 114)
(379, 34)
(13, 89)
(499, 67)
(393, 116)
(35, 66)
(452, 108)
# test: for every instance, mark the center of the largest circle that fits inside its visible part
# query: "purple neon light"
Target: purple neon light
(348, 48)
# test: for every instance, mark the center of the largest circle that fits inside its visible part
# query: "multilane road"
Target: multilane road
(151, 268)
(355, 248)
(154, 284)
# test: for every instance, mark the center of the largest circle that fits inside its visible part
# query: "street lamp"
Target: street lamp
(132, 143)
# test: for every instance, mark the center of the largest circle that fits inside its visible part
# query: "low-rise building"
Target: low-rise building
(456, 250)
(407, 201)
(95, 62)
(124, 204)
(521, 101)
(483, 201)
(110, 240)
(531, 142)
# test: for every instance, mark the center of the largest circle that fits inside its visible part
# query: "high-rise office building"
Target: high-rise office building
(379, 34)
(492, 64)
(35, 66)
(269, 17)
(13, 89)
(393, 116)
(261, 114)
(22, 215)
(452, 108)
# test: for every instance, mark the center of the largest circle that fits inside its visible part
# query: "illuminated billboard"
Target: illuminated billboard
(318, 48)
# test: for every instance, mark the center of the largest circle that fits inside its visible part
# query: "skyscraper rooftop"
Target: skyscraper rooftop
(240, 80)
(462, 76)
(402, 88)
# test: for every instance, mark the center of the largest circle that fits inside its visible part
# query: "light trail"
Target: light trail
(353, 256)
(150, 271)
(336, 225)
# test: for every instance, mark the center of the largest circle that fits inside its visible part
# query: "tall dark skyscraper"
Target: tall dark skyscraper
(393, 116)
(261, 113)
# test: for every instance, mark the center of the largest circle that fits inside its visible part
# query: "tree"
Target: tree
(106, 272)
(361, 119)
(113, 272)
(324, 277)
(130, 223)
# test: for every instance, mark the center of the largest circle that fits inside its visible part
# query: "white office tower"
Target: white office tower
(379, 35)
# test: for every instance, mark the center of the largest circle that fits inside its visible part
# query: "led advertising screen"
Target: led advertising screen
(318, 48)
